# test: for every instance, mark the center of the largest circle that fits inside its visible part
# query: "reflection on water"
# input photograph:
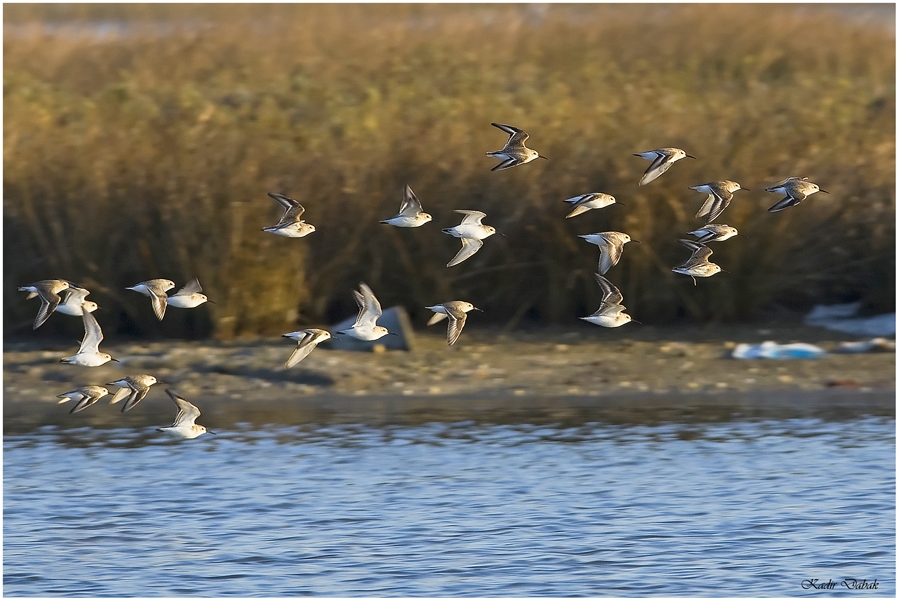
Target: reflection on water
(452, 509)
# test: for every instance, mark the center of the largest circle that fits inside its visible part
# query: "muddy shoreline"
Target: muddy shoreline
(565, 376)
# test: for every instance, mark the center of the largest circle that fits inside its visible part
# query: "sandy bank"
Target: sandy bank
(664, 373)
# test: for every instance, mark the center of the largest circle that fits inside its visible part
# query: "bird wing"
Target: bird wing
(75, 295)
(92, 333)
(136, 396)
(436, 318)
(783, 203)
(473, 217)
(187, 412)
(609, 254)
(701, 252)
(660, 164)
(454, 327)
(411, 206)
(369, 307)
(610, 293)
(469, 247)
(190, 288)
(121, 393)
(715, 204)
(517, 137)
(49, 302)
(159, 301)
(507, 164)
(292, 208)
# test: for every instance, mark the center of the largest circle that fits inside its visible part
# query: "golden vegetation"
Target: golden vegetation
(140, 142)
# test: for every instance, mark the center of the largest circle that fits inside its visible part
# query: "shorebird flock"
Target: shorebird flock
(471, 232)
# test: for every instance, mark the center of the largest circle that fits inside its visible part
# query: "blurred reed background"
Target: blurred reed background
(140, 142)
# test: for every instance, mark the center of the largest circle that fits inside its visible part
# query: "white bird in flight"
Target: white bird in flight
(185, 425)
(411, 213)
(472, 233)
(89, 354)
(366, 327)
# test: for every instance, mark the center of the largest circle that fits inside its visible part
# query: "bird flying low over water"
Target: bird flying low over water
(411, 213)
(472, 233)
(290, 226)
(662, 159)
(720, 195)
(133, 389)
(514, 152)
(611, 312)
(585, 202)
(714, 232)
(455, 311)
(698, 265)
(49, 291)
(185, 425)
(156, 290)
(611, 245)
(89, 354)
(84, 397)
(307, 340)
(796, 189)
(366, 327)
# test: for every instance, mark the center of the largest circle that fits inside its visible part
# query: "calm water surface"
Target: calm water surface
(744, 508)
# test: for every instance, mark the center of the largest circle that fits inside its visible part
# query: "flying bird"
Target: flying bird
(455, 311)
(89, 354)
(189, 296)
(307, 340)
(585, 202)
(714, 232)
(366, 327)
(698, 265)
(84, 397)
(611, 245)
(185, 425)
(472, 233)
(796, 189)
(290, 225)
(719, 196)
(133, 389)
(156, 290)
(611, 312)
(411, 213)
(48, 291)
(514, 152)
(662, 159)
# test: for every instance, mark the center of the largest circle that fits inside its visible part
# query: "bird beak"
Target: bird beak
(540, 156)
(392, 334)
(618, 202)
(634, 320)
(823, 190)
(163, 382)
(211, 301)
(747, 189)
(211, 432)
(637, 241)
(114, 359)
(690, 156)
(476, 309)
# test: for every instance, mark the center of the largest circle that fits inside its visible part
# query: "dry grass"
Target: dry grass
(148, 154)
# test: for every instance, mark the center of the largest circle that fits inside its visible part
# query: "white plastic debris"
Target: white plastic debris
(841, 318)
(868, 346)
(772, 350)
